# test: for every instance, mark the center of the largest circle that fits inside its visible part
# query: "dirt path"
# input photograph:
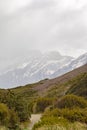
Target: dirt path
(34, 119)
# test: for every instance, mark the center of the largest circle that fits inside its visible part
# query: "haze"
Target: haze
(43, 25)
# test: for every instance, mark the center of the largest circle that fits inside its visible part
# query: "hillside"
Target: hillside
(49, 93)
(79, 86)
(48, 87)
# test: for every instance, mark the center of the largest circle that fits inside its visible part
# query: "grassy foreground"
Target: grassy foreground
(63, 126)
(74, 126)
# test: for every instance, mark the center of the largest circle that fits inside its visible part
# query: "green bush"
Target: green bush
(62, 117)
(14, 120)
(50, 121)
(19, 104)
(22, 110)
(55, 112)
(8, 118)
(75, 114)
(4, 114)
(42, 104)
(71, 101)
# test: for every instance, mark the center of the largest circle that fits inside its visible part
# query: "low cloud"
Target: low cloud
(44, 25)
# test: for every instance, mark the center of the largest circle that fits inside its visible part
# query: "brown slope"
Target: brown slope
(42, 86)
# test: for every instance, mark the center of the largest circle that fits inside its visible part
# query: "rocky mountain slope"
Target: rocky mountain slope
(56, 87)
(38, 67)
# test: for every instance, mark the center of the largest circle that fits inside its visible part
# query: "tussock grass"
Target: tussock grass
(2, 128)
(73, 126)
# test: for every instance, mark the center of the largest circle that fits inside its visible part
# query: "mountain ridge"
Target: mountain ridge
(40, 67)
(51, 87)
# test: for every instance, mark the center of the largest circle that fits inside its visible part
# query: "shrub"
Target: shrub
(71, 101)
(75, 114)
(4, 114)
(8, 117)
(22, 110)
(51, 121)
(42, 103)
(14, 120)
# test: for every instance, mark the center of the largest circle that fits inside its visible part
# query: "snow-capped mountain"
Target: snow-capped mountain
(38, 66)
(80, 61)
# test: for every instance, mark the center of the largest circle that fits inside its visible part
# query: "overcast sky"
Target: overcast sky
(44, 25)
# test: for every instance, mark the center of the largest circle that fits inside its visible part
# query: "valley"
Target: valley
(43, 64)
(62, 102)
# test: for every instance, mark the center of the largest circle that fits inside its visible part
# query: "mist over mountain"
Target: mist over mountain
(43, 25)
(38, 66)
(81, 60)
